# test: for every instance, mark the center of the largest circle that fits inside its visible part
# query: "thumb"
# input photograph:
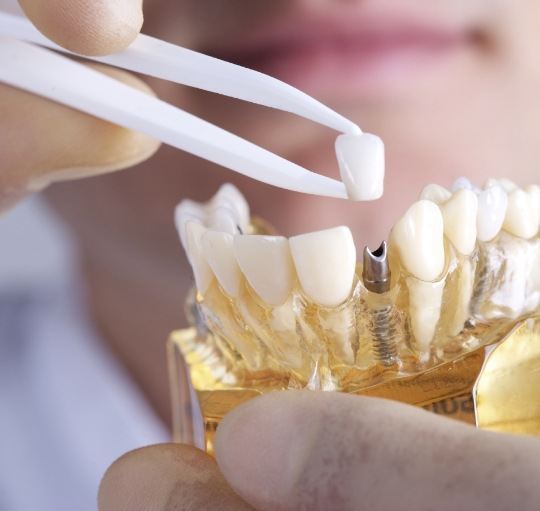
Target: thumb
(321, 451)
(98, 27)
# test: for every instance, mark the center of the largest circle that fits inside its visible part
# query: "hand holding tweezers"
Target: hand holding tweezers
(26, 62)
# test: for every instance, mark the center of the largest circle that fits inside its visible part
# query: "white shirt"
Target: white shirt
(67, 410)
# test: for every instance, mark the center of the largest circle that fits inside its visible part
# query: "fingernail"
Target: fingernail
(262, 445)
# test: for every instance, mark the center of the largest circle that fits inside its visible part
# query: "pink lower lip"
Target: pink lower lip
(361, 65)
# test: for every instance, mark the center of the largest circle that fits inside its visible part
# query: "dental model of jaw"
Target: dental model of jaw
(460, 269)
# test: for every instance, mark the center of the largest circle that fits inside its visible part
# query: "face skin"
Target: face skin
(451, 87)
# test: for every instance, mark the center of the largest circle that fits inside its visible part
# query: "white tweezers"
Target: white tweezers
(49, 74)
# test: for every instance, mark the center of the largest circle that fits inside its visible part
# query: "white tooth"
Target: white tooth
(507, 185)
(492, 204)
(419, 238)
(219, 252)
(460, 214)
(267, 265)
(521, 215)
(185, 211)
(361, 164)
(462, 183)
(223, 219)
(229, 196)
(435, 193)
(325, 262)
(425, 301)
(534, 193)
(201, 269)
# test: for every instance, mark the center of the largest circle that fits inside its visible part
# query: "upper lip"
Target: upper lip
(368, 29)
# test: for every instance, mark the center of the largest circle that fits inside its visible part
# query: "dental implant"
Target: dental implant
(376, 271)
(382, 314)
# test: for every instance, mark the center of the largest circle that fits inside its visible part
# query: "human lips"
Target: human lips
(363, 54)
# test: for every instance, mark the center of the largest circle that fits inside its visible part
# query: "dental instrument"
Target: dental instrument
(43, 72)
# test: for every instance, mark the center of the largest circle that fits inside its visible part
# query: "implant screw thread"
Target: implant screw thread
(383, 331)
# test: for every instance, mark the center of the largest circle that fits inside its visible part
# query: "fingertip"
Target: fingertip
(166, 476)
(66, 144)
(135, 480)
(93, 28)
(260, 446)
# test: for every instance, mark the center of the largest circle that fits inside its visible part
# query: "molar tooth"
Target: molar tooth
(185, 211)
(507, 185)
(462, 183)
(460, 215)
(435, 193)
(492, 204)
(522, 214)
(419, 238)
(534, 193)
(229, 196)
(201, 269)
(361, 164)
(218, 249)
(325, 262)
(267, 265)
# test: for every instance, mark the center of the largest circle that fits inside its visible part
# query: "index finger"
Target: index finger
(99, 27)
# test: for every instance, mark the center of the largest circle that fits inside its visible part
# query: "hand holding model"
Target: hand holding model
(328, 451)
(45, 142)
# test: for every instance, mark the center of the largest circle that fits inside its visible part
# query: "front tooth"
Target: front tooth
(230, 197)
(218, 249)
(267, 265)
(185, 211)
(435, 193)
(361, 163)
(419, 238)
(325, 262)
(521, 215)
(224, 219)
(201, 269)
(460, 214)
(492, 204)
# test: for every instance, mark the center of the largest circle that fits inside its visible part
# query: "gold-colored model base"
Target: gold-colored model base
(495, 386)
